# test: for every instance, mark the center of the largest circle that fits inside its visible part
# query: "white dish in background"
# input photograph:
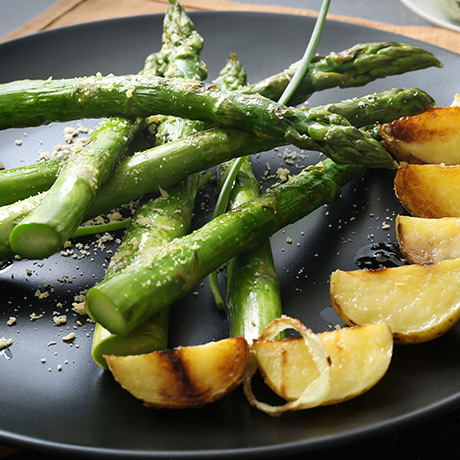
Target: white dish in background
(431, 12)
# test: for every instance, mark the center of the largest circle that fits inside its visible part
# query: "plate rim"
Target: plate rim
(369, 432)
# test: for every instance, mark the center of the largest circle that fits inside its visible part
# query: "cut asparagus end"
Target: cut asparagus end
(124, 345)
(53, 221)
(35, 240)
(103, 307)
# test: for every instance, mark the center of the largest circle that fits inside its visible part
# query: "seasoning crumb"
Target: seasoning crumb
(34, 316)
(58, 320)
(11, 321)
(69, 337)
(4, 342)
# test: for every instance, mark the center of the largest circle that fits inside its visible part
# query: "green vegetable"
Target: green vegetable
(45, 229)
(141, 96)
(182, 45)
(249, 299)
(10, 215)
(253, 288)
(355, 66)
(162, 166)
(380, 107)
(166, 165)
(160, 277)
(231, 77)
(367, 110)
(155, 223)
(169, 216)
(61, 211)
(23, 181)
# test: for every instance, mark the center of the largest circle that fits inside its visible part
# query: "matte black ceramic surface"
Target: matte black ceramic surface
(80, 409)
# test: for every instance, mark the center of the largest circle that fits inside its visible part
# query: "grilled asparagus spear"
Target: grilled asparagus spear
(160, 277)
(168, 164)
(253, 291)
(355, 66)
(169, 216)
(141, 96)
(364, 111)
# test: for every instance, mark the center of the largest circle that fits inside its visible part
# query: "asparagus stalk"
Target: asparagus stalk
(166, 165)
(45, 229)
(12, 214)
(182, 45)
(231, 77)
(158, 278)
(162, 166)
(23, 181)
(60, 213)
(253, 290)
(355, 66)
(370, 109)
(141, 96)
(364, 111)
(351, 67)
(169, 216)
(155, 223)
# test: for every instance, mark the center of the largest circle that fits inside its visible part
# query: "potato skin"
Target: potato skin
(418, 302)
(430, 137)
(360, 357)
(429, 190)
(424, 241)
(183, 377)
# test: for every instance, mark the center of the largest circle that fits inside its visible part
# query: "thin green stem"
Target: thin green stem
(220, 208)
(308, 55)
(86, 230)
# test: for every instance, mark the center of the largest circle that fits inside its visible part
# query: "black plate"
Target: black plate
(80, 409)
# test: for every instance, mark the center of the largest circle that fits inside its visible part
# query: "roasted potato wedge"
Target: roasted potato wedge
(429, 137)
(315, 389)
(360, 356)
(418, 302)
(424, 241)
(430, 191)
(183, 377)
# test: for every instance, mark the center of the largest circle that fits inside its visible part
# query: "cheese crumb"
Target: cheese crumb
(58, 320)
(34, 316)
(11, 321)
(69, 337)
(4, 342)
